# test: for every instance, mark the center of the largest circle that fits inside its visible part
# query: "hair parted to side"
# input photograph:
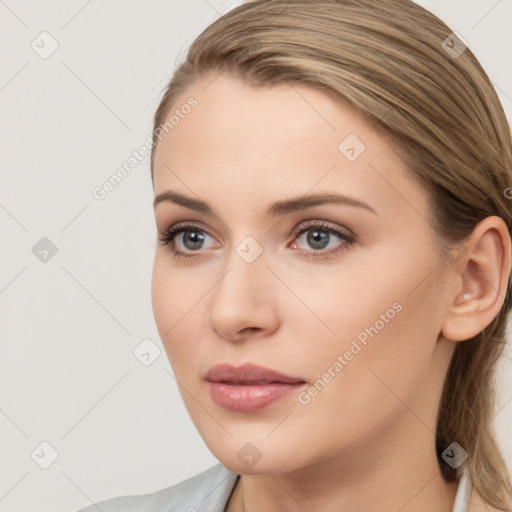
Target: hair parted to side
(443, 117)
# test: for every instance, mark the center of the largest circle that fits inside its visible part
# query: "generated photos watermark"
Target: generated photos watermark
(305, 397)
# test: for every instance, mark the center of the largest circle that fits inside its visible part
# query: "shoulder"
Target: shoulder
(206, 492)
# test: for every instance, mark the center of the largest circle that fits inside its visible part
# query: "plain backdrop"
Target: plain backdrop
(71, 319)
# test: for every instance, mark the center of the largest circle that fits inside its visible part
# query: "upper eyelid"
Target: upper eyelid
(324, 225)
(184, 225)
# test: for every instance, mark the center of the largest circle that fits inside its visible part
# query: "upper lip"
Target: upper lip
(248, 373)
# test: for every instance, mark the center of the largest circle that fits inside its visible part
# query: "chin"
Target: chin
(259, 468)
(254, 457)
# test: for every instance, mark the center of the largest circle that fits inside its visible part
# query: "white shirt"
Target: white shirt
(463, 494)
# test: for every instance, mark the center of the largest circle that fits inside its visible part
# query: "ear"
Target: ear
(483, 269)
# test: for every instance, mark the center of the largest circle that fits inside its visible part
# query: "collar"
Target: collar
(463, 493)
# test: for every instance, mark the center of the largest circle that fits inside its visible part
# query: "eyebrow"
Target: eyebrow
(276, 209)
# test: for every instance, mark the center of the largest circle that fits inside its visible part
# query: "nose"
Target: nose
(244, 303)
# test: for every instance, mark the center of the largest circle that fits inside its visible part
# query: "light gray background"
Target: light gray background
(69, 327)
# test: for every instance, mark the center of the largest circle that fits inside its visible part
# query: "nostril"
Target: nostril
(249, 330)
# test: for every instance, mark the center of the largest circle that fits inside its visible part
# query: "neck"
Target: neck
(389, 474)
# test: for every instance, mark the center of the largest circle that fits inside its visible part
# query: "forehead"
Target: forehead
(288, 138)
(289, 110)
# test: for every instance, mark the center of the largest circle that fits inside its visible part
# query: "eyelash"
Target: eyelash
(167, 238)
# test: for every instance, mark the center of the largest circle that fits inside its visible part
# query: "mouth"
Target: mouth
(251, 383)
(248, 374)
(249, 387)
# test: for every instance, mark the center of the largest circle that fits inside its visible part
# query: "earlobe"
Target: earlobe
(483, 274)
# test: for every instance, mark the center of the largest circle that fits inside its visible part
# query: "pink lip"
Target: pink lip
(248, 387)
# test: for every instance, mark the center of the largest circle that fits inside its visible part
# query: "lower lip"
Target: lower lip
(249, 398)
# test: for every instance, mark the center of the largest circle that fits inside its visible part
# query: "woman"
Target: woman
(331, 283)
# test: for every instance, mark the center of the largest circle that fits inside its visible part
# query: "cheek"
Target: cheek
(383, 327)
(373, 385)
(164, 291)
(169, 301)
(177, 308)
(174, 291)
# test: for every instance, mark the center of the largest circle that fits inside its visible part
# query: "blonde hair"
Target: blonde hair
(391, 61)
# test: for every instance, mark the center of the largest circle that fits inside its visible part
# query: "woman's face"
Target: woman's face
(343, 293)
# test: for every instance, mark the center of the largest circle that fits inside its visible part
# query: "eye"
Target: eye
(325, 241)
(184, 238)
(322, 238)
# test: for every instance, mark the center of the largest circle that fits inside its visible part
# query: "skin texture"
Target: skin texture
(366, 441)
